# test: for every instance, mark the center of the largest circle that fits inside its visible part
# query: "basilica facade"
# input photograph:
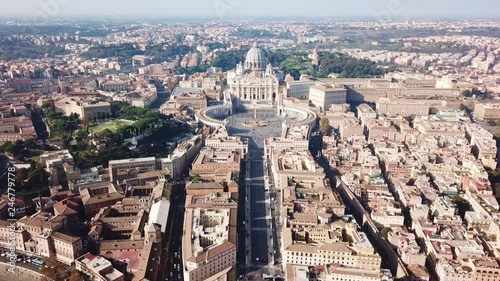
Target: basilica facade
(254, 81)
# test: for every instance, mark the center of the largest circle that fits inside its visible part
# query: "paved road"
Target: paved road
(258, 215)
(172, 254)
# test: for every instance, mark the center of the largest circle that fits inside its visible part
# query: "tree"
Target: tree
(196, 178)
(324, 126)
(76, 276)
(462, 205)
(7, 147)
(467, 93)
(81, 133)
(385, 232)
(49, 106)
(22, 175)
(39, 178)
(30, 144)
(85, 121)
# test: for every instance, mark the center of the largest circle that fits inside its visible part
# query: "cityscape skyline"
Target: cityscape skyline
(239, 9)
(237, 140)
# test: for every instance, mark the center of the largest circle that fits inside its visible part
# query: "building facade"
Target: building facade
(254, 81)
(324, 96)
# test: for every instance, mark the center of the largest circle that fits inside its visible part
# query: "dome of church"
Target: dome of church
(255, 59)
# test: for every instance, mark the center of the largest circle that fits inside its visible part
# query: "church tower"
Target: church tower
(269, 70)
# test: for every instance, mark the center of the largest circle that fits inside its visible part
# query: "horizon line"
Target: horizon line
(98, 17)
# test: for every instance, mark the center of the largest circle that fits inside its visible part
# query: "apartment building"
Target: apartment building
(485, 150)
(114, 86)
(67, 248)
(293, 163)
(299, 89)
(475, 132)
(210, 238)
(485, 111)
(40, 234)
(16, 128)
(395, 107)
(323, 96)
(220, 139)
(61, 167)
(331, 272)
(123, 169)
(450, 270)
(292, 137)
(328, 253)
(193, 98)
(179, 162)
(96, 196)
(365, 113)
(98, 268)
(123, 233)
(350, 128)
(211, 160)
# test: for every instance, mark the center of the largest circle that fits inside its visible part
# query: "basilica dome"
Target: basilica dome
(256, 58)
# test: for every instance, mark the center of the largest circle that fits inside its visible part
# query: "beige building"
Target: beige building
(350, 128)
(98, 268)
(82, 107)
(293, 163)
(292, 137)
(98, 195)
(122, 232)
(179, 162)
(487, 111)
(97, 110)
(485, 150)
(324, 96)
(40, 234)
(61, 167)
(328, 253)
(220, 139)
(331, 272)
(299, 89)
(211, 160)
(192, 98)
(67, 248)
(365, 113)
(123, 169)
(16, 128)
(405, 108)
(210, 237)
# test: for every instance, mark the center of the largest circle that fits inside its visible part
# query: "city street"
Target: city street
(260, 258)
(172, 253)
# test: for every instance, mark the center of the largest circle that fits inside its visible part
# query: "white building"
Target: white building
(324, 96)
(254, 81)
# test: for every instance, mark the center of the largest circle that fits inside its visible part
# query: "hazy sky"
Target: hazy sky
(371, 9)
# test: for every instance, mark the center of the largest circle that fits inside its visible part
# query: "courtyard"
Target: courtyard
(112, 125)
